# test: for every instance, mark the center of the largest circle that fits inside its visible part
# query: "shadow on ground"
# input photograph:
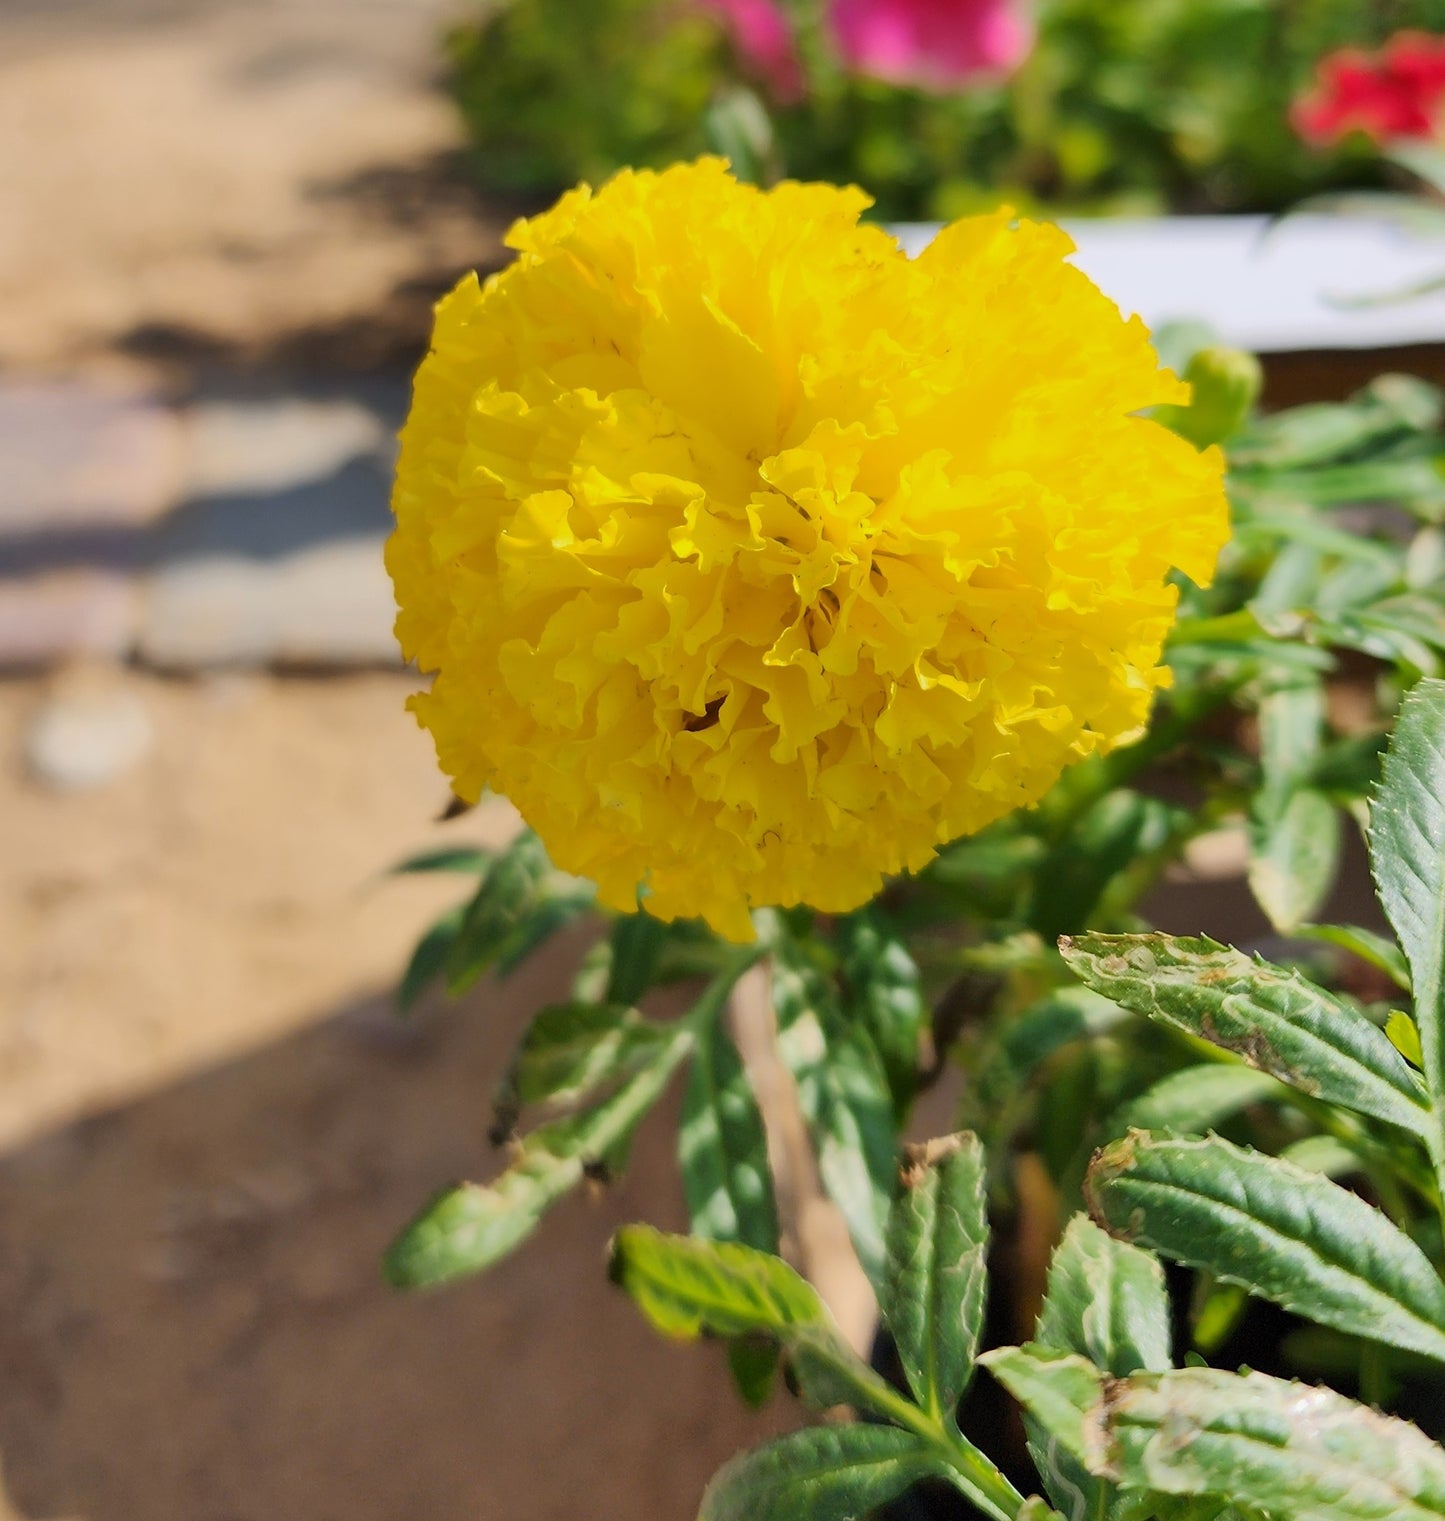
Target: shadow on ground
(192, 1325)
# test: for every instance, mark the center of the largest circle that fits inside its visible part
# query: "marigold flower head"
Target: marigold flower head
(755, 559)
(1395, 95)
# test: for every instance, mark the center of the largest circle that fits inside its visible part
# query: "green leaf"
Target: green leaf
(722, 1147)
(429, 958)
(1196, 1099)
(1024, 1042)
(827, 1473)
(883, 993)
(1374, 950)
(1105, 1300)
(689, 1287)
(521, 901)
(468, 1228)
(1285, 1234)
(1407, 855)
(753, 1363)
(1294, 830)
(1294, 858)
(1266, 1445)
(844, 1095)
(1276, 1020)
(469, 859)
(1106, 840)
(1058, 1389)
(1404, 1035)
(686, 1287)
(936, 1279)
(571, 1049)
(637, 941)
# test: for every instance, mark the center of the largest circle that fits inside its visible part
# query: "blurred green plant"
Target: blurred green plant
(1124, 105)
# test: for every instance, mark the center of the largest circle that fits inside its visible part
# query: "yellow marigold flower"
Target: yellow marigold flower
(755, 560)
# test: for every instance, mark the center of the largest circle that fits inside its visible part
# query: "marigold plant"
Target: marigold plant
(756, 560)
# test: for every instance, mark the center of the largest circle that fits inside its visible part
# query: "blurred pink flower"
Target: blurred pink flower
(763, 37)
(935, 44)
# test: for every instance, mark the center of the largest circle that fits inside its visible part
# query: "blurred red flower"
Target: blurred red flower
(1397, 93)
(763, 37)
(934, 44)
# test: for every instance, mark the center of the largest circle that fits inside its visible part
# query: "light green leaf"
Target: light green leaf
(1407, 855)
(1285, 1234)
(1276, 1020)
(1266, 1445)
(934, 1286)
(687, 1287)
(1404, 1035)
(827, 1473)
(722, 1147)
(470, 1227)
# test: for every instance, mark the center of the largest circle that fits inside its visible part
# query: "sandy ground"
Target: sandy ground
(215, 180)
(213, 1123)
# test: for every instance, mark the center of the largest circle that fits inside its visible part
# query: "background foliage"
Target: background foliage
(1124, 105)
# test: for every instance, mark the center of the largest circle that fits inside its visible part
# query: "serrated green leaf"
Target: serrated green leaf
(843, 1092)
(1373, 949)
(826, 1473)
(723, 1149)
(1105, 1300)
(1407, 855)
(1266, 1445)
(468, 1228)
(1273, 1018)
(934, 1285)
(1287, 1235)
(884, 994)
(428, 959)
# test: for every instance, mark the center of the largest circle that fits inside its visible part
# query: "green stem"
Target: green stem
(975, 1475)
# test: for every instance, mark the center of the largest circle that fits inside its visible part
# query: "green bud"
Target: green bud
(1226, 386)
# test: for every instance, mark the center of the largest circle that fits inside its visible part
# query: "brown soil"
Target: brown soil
(213, 1123)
